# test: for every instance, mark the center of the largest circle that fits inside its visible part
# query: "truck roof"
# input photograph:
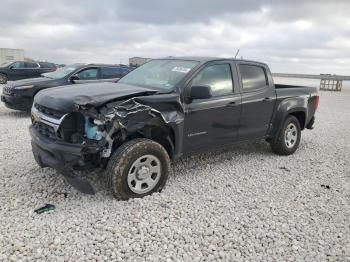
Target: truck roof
(104, 65)
(204, 59)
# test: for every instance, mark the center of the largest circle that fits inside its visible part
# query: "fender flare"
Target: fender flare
(285, 108)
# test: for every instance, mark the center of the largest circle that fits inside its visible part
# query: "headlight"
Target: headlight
(24, 87)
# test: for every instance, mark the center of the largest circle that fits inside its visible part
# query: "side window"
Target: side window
(46, 65)
(18, 65)
(88, 74)
(253, 77)
(30, 65)
(218, 77)
(110, 72)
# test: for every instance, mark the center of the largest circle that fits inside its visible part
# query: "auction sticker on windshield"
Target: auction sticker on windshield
(181, 69)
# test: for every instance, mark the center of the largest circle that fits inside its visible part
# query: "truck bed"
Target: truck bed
(291, 90)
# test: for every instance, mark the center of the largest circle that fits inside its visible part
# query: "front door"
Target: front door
(214, 121)
(17, 71)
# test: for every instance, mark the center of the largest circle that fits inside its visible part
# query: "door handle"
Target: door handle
(267, 99)
(232, 104)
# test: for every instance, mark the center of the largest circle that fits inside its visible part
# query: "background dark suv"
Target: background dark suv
(22, 70)
(19, 94)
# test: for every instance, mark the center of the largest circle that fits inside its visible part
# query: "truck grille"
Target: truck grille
(48, 111)
(45, 130)
(7, 90)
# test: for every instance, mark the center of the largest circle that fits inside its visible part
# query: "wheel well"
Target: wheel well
(167, 142)
(301, 117)
(1, 73)
(165, 137)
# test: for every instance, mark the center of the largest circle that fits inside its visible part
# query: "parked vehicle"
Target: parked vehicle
(23, 70)
(160, 111)
(19, 94)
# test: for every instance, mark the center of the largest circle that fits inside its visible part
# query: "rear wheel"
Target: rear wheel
(138, 168)
(288, 138)
(3, 79)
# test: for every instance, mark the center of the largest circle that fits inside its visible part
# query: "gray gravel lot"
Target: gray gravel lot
(238, 204)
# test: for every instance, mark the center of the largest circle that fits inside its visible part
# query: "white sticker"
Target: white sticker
(181, 69)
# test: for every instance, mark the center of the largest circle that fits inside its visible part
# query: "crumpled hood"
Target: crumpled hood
(66, 98)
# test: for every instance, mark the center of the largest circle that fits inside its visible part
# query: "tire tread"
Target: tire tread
(278, 146)
(119, 161)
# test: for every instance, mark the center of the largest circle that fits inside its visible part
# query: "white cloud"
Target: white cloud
(291, 36)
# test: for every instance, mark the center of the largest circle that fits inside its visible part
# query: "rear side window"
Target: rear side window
(46, 65)
(218, 77)
(30, 65)
(253, 77)
(111, 72)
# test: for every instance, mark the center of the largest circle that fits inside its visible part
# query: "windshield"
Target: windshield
(159, 74)
(61, 72)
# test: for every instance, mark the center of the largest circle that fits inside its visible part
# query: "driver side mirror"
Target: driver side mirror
(74, 78)
(200, 92)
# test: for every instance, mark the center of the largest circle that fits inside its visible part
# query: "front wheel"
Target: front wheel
(3, 79)
(138, 168)
(288, 138)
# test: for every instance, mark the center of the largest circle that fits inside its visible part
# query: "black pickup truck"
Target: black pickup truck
(160, 111)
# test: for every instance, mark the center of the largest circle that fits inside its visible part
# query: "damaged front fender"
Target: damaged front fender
(158, 117)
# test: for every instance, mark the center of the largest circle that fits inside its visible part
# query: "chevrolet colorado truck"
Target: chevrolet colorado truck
(160, 111)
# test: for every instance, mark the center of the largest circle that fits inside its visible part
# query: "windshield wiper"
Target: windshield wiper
(164, 92)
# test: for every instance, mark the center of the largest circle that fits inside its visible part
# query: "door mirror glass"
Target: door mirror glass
(200, 92)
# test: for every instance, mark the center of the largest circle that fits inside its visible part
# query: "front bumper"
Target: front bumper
(17, 102)
(64, 157)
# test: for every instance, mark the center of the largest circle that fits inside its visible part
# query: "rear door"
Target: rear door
(32, 68)
(258, 100)
(214, 121)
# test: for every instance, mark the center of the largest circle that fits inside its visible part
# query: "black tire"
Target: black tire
(125, 157)
(280, 145)
(3, 79)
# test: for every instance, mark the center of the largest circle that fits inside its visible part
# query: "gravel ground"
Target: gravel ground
(238, 204)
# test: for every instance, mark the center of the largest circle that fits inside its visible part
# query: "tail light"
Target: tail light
(317, 99)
